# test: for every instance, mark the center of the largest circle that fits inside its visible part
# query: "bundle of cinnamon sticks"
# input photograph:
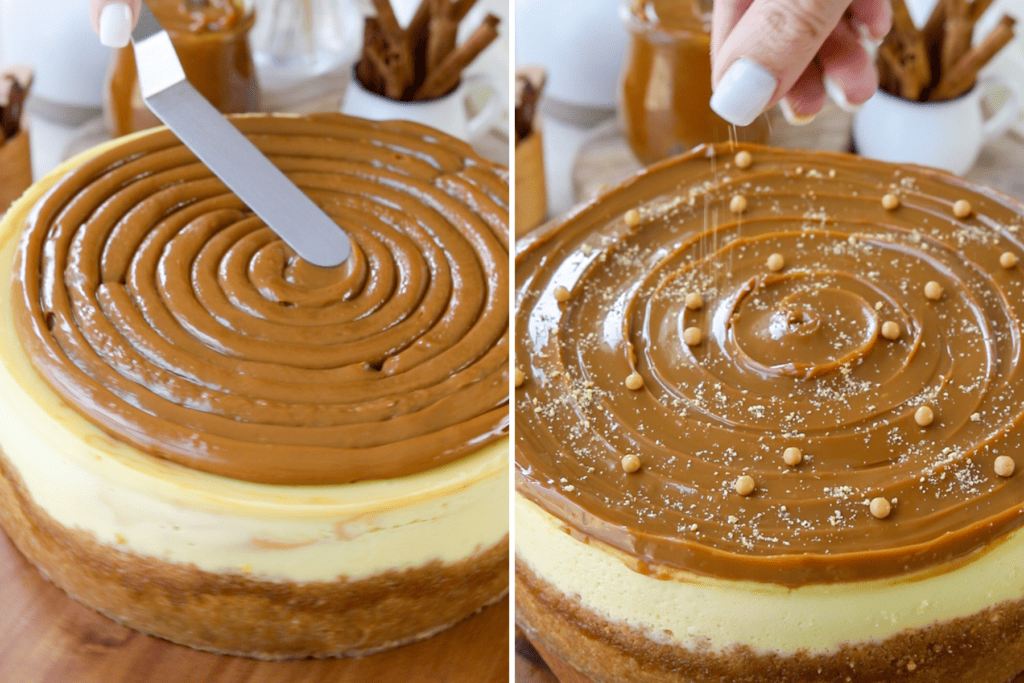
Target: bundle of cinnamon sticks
(938, 62)
(529, 86)
(14, 87)
(422, 60)
(15, 156)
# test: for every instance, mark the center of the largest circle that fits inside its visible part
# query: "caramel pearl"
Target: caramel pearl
(738, 204)
(694, 301)
(1007, 259)
(692, 336)
(880, 507)
(630, 463)
(776, 262)
(561, 294)
(632, 218)
(933, 290)
(1004, 466)
(890, 202)
(745, 485)
(924, 416)
(962, 208)
(519, 377)
(891, 330)
(634, 381)
(792, 456)
(744, 159)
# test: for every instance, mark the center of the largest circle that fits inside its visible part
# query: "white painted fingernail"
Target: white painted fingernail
(115, 24)
(835, 92)
(792, 118)
(743, 93)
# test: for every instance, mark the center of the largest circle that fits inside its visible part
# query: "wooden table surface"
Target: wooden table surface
(46, 637)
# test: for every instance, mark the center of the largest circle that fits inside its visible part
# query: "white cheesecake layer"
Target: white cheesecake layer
(690, 610)
(86, 480)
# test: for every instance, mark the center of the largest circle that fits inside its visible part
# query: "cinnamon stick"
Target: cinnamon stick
(447, 74)
(913, 50)
(377, 51)
(933, 33)
(400, 57)
(460, 8)
(366, 72)
(961, 77)
(416, 32)
(443, 31)
(957, 41)
(901, 19)
(386, 17)
(417, 35)
(909, 85)
(978, 8)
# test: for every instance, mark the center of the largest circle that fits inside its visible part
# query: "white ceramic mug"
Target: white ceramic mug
(447, 113)
(947, 135)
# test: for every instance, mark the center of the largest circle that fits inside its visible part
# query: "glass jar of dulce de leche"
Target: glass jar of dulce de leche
(665, 89)
(211, 38)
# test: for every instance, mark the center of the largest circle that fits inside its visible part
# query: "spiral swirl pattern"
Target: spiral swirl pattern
(161, 308)
(788, 357)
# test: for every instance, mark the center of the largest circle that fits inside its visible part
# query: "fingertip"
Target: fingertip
(873, 23)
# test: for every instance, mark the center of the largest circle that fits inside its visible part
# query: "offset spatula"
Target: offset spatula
(228, 153)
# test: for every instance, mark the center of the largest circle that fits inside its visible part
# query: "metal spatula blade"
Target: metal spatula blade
(228, 153)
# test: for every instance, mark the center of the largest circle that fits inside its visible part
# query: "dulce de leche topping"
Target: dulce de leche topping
(156, 304)
(793, 296)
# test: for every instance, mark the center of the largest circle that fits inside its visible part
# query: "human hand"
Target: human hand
(793, 52)
(113, 20)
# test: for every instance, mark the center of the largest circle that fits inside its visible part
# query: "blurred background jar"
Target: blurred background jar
(211, 38)
(665, 88)
(304, 50)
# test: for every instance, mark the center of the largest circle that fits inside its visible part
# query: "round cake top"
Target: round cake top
(155, 303)
(776, 366)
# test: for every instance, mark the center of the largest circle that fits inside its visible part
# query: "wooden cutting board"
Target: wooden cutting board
(46, 637)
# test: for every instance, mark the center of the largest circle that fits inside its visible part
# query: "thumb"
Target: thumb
(767, 51)
(113, 20)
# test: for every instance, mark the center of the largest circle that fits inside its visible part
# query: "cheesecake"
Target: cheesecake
(769, 425)
(212, 441)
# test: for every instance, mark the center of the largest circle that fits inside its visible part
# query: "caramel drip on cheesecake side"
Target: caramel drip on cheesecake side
(157, 305)
(812, 331)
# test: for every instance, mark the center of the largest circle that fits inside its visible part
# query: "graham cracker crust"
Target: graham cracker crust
(987, 647)
(239, 615)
